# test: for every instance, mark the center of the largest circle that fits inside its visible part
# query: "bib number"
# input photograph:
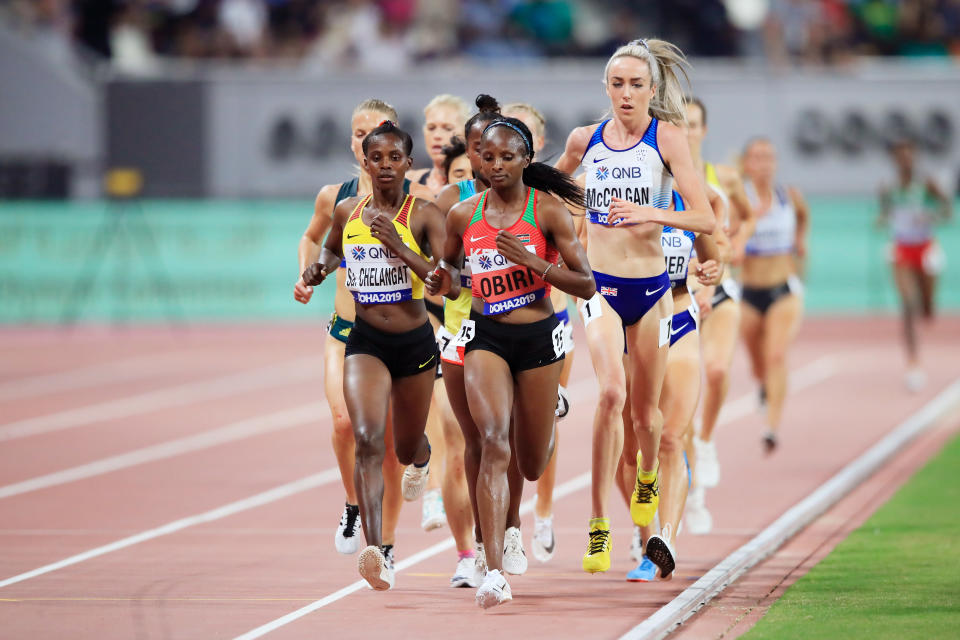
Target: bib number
(467, 332)
(590, 310)
(557, 337)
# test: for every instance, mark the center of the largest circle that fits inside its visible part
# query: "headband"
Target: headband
(642, 42)
(504, 123)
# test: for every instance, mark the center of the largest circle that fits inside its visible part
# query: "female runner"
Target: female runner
(544, 541)
(771, 290)
(911, 206)
(453, 343)
(631, 162)
(391, 355)
(511, 234)
(719, 307)
(444, 116)
(365, 118)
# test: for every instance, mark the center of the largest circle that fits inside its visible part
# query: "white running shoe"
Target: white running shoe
(544, 542)
(466, 574)
(347, 538)
(414, 481)
(376, 568)
(708, 467)
(433, 514)
(661, 552)
(916, 380)
(514, 558)
(494, 590)
(480, 562)
(563, 403)
(636, 545)
(696, 515)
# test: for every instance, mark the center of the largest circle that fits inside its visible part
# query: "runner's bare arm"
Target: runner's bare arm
(575, 148)
(803, 217)
(445, 279)
(332, 251)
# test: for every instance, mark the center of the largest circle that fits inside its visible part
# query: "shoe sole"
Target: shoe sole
(460, 582)
(514, 573)
(541, 554)
(639, 579)
(660, 555)
(435, 523)
(370, 565)
(346, 550)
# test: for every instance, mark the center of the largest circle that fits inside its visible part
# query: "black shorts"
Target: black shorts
(522, 346)
(762, 298)
(404, 354)
(434, 309)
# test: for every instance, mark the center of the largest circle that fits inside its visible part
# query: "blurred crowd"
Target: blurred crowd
(138, 35)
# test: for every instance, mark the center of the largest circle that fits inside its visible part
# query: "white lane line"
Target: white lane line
(674, 613)
(93, 375)
(177, 396)
(239, 430)
(806, 376)
(581, 481)
(258, 500)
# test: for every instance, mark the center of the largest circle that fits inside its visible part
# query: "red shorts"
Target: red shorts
(910, 255)
(924, 257)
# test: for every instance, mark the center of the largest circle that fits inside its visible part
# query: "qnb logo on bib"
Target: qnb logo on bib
(504, 285)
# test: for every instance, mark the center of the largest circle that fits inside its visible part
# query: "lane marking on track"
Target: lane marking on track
(569, 487)
(669, 617)
(84, 377)
(274, 375)
(240, 430)
(277, 493)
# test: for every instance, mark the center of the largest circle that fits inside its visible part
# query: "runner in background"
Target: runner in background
(444, 117)
(911, 205)
(719, 315)
(772, 292)
(544, 540)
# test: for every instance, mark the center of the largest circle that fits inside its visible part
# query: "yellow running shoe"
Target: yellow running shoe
(646, 495)
(597, 557)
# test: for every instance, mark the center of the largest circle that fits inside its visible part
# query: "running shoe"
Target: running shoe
(480, 562)
(646, 495)
(708, 467)
(695, 514)
(646, 571)
(514, 557)
(376, 567)
(770, 442)
(597, 557)
(433, 515)
(494, 590)
(636, 545)
(916, 380)
(465, 575)
(347, 538)
(661, 553)
(544, 543)
(414, 481)
(563, 403)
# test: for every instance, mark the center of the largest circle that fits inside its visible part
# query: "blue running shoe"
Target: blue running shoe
(644, 572)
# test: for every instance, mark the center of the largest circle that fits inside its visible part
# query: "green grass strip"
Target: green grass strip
(897, 576)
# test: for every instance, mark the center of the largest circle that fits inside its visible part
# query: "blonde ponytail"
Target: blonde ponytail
(667, 64)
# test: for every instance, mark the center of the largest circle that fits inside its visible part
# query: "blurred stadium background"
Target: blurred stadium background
(235, 112)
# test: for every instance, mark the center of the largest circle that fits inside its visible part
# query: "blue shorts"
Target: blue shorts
(563, 316)
(631, 298)
(683, 323)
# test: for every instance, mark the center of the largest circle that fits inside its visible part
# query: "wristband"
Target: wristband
(543, 276)
(446, 266)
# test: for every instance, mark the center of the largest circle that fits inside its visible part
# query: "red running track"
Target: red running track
(111, 434)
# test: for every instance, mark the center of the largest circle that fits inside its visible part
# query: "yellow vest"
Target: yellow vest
(375, 275)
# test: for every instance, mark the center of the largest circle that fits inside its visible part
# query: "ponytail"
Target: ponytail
(488, 110)
(539, 175)
(667, 65)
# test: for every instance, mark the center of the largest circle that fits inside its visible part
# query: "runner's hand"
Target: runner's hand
(302, 292)
(704, 298)
(383, 230)
(709, 273)
(313, 275)
(437, 282)
(622, 211)
(512, 249)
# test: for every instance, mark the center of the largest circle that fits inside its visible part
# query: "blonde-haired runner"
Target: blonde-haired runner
(633, 161)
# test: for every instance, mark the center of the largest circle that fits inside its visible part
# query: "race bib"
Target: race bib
(557, 337)
(591, 309)
(504, 285)
(376, 275)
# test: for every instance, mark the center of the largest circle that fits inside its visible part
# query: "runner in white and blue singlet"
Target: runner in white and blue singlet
(630, 163)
